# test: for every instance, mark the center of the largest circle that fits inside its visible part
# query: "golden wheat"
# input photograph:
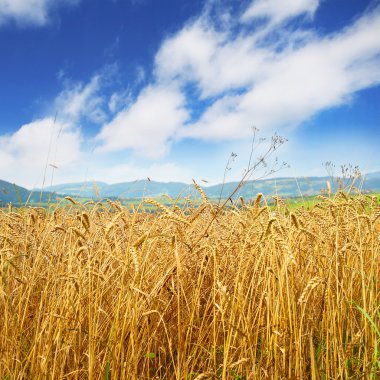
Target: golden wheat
(98, 292)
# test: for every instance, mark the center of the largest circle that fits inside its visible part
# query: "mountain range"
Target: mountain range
(17, 195)
(284, 186)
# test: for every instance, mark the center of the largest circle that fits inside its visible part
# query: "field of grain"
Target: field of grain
(248, 292)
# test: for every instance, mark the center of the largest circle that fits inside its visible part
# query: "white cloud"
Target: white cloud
(140, 75)
(35, 146)
(200, 54)
(25, 153)
(241, 78)
(29, 11)
(186, 55)
(277, 11)
(119, 100)
(148, 125)
(245, 78)
(79, 100)
(259, 83)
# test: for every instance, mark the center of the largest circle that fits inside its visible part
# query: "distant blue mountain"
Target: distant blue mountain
(17, 195)
(284, 186)
(374, 175)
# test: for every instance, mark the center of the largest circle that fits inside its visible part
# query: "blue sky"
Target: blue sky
(116, 90)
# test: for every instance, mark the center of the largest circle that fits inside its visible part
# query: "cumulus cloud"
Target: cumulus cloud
(186, 56)
(29, 11)
(82, 100)
(212, 60)
(277, 11)
(119, 100)
(62, 141)
(147, 125)
(26, 153)
(279, 83)
(244, 78)
(211, 83)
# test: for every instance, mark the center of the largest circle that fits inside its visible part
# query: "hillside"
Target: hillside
(285, 187)
(11, 193)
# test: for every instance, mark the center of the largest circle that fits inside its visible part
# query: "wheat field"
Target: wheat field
(100, 291)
